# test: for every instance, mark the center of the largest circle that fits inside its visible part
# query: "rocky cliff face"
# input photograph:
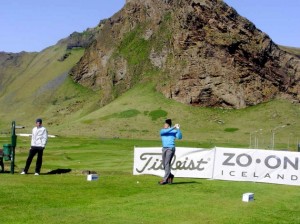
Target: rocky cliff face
(198, 52)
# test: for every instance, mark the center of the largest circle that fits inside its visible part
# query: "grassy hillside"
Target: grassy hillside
(292, 50)
(43, 88)
(140, 113)
(72, 110)
(35, 85)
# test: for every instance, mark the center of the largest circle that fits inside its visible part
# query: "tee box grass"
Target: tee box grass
(62, 194)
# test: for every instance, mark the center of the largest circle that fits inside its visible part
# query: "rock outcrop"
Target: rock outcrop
(198, 52)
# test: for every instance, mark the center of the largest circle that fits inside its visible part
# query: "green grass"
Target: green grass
(292, 50)
(140, 113)
(143, 110)
(120, 197)
(123, 114)
(134, 48)
(156, 114)
(231, 129)
(33, 85)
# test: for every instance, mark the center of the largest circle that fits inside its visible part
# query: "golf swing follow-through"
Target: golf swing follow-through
(168, 135)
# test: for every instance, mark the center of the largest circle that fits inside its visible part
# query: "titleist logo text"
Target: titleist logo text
(152, 162)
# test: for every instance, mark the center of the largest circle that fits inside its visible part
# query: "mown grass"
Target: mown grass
(120, 197)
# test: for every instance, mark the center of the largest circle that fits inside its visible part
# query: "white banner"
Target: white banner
(187, 162)
(267, 166)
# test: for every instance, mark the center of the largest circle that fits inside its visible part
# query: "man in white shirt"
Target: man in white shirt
(38, 142)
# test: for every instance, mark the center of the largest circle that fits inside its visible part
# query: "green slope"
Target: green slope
(31, 83)
(291, 50)
(39, 86)
(140, 113)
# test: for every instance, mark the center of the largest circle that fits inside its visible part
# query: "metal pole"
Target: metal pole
(273, 136)
(288, 146)
(255, 141)
(13, 145)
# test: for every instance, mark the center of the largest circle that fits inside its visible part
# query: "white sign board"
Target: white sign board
(269, 166)
(266, 166)
(187, 162)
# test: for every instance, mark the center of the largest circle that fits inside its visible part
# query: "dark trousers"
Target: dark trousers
(167, 156)
(35, 150)
(1, 164)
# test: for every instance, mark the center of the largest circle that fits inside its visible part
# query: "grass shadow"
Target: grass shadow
(5, 171)
(58, 171)
(188, 182)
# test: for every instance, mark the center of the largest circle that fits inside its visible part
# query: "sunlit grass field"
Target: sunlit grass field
(62, 194)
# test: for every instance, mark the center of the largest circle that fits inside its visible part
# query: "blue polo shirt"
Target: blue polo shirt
(168, 136)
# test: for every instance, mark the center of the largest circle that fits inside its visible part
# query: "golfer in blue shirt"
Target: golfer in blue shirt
(168, 135)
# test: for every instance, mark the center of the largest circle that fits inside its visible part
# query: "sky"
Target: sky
(280, 19)
(33, 25)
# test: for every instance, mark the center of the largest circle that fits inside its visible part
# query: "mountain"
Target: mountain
(187, 60)
(198, 52)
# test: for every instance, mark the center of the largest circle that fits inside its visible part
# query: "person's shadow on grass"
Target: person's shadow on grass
(58, 171)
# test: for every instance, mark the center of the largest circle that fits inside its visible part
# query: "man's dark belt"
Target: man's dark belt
(172, 148)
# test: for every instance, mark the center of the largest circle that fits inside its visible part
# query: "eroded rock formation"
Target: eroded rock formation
(198, 52)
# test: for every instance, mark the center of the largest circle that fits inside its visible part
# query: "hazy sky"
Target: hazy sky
(32, 25)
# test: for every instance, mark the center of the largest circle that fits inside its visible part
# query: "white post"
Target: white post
(273, 138)
(273, 135)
